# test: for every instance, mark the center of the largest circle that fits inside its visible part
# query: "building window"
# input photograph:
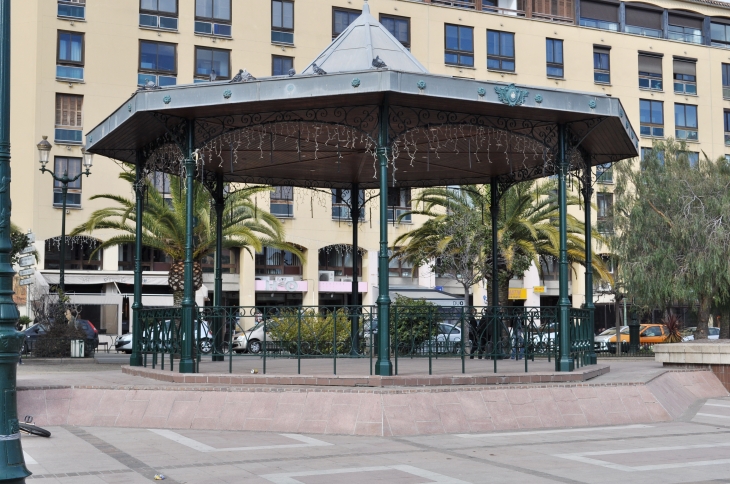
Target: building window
(282, 202)
(161, 182)
(685, 29)
(599, 15)
(152, 259)
(281, 65)
(726, 81)
(651, 118)
(212, 64)
(157, 63)
(605, 212)
(158, 14)
(70, 56)
(601, 65)
(277, 262)
(726, 119)
(685, 77)
(685, 121)
(644, 21)
(341, 19)
(645, 152)
(604, 174)
(650, 72)
(459, 45)
(554, 11)
(399, 203)
(78, 254)
(720, 35)
(282, 21)
(70, 167)
(500, 50)
(341, 202)
(75, 9)
(228, 262)
(693, 158)
(69, 118)
(338, 259)
(213, 17)
(554, 55)
(399, 27)
(398, 267)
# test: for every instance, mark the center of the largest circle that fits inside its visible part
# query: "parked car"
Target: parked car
(600, 342)
(124, 342)
(688, 334)
(252, 340)
(91, 341)
(447, 340)
(648, 334)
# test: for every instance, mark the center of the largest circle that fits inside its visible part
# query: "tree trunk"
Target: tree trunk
(468, 313)
(725, 325)
(703, 317)
(504, 293)
(177, 297)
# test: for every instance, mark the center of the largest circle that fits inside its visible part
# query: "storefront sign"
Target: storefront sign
(281, 286)
(517, 293)
(538, 289)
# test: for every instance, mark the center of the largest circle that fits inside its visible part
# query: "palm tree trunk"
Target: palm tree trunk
(725, 325)
(177, 297)
(504, 293)
(703, 317)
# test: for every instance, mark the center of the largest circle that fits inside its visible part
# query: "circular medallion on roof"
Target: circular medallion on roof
(592, 104)
(538, 99)
(356, 82)
(227, 94)
(482, 92)
(421, 85)
(166, 99)
(129, 108)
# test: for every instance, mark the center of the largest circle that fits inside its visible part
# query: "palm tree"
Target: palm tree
(163, 226)
(527, 231)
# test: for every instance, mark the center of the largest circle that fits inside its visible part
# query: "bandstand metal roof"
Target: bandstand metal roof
(322, 129)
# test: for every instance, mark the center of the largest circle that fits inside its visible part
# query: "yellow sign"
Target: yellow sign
(517, 293)
(538, 289)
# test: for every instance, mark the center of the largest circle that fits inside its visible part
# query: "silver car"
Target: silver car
(600, 342)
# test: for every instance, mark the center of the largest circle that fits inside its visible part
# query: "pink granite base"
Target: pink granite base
(579, 375)
(375, 411)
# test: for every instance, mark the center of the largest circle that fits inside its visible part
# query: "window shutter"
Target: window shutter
(685, 67)
(599, 11)
(650, 63)
(640, 17)
(692, 22)
(69, 110)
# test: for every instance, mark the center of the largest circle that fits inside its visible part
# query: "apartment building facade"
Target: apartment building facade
(75, 61)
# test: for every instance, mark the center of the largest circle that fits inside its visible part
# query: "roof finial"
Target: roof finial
(366, 7)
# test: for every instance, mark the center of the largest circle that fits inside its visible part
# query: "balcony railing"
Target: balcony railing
(654, 131)
(691, 38)
(70, 73)
(686, 134)
(599, 24)
(726, 92)
(685, 88)
(645, 31)
(727, 139)
(471, 4)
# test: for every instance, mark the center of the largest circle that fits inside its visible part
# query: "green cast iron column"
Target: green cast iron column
(62, 261)
(564, 362)
(355, 214)
(187, 364)
(219, 318)
(383, 366)
(494, 211)
(587, 193)
(12, 464)
(139, 188)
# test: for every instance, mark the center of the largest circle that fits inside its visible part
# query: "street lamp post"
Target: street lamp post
(44, 150)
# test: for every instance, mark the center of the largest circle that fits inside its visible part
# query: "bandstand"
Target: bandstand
(365, 114)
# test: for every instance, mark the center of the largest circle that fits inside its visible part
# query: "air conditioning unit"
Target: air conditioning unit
(284, 280)
(346, 279)
(327, 276)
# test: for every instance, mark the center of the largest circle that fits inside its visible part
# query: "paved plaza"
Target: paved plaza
(693, 449)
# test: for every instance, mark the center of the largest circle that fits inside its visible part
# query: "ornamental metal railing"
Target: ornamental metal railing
(301, 333)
